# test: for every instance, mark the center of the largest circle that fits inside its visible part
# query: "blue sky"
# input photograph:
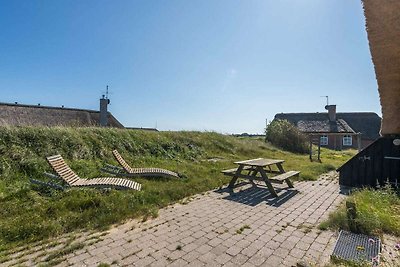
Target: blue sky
(188, 65)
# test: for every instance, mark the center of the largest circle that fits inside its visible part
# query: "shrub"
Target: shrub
(285, 135)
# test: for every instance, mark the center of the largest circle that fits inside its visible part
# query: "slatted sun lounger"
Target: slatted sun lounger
(72, 179)
(127, 170)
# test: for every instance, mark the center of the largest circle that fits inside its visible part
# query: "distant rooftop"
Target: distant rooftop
(14, 114)
(368, 123)
(142, 129)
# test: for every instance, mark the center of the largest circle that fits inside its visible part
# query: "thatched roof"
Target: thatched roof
(367, 123)
(383, 27)
(324, 126)
(30, 115)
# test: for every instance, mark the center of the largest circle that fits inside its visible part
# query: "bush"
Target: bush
(285, 135)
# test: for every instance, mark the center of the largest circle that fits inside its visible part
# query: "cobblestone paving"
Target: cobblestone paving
(390, 252)
(219, 228)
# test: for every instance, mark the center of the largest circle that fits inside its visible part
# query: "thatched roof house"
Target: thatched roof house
(366, 123)
(316, 123)
(336, 129)
(32, 115)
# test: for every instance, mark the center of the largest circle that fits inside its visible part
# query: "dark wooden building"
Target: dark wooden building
(376, 165)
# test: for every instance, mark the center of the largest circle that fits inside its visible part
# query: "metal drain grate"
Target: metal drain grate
(355, 247)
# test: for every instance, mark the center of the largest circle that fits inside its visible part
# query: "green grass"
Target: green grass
(377, 212)
(29, 213)
(64, 251)
(241, 229)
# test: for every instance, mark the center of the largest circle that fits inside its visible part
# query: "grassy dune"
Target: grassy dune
(29, 213)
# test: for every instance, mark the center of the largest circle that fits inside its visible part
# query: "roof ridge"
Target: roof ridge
(345, 124)
(22, 114)
(48, 107)
(308, 113)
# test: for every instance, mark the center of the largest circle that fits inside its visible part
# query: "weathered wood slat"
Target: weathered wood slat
(52, 158)
(284, 176)
(65, 172)
(101, 180)
(245, 176)
(60, 165)
(260, 162)
(58, 161)
(138, 186)
(231, 172)
(73, 181)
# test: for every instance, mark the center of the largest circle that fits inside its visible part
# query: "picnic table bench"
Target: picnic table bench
(261, 166)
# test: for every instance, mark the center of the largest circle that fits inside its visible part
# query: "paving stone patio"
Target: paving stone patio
(219, 228)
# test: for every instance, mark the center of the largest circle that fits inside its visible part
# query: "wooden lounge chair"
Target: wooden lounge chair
(72, 179)
(128, 171)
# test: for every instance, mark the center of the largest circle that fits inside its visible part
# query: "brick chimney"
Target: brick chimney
(103, 111)
(331, 112)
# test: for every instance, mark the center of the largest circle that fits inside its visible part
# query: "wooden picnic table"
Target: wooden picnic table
(261, 166)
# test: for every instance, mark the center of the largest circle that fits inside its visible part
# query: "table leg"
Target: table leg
(288, 182)
(280, 167)
(235, 177)
(267, 182)
(254, 174)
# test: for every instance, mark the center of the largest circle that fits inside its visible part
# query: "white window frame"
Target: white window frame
(347, 140)
(324, 140)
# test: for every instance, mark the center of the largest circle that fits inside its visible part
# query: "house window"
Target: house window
(347, 140)
(324, 140)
